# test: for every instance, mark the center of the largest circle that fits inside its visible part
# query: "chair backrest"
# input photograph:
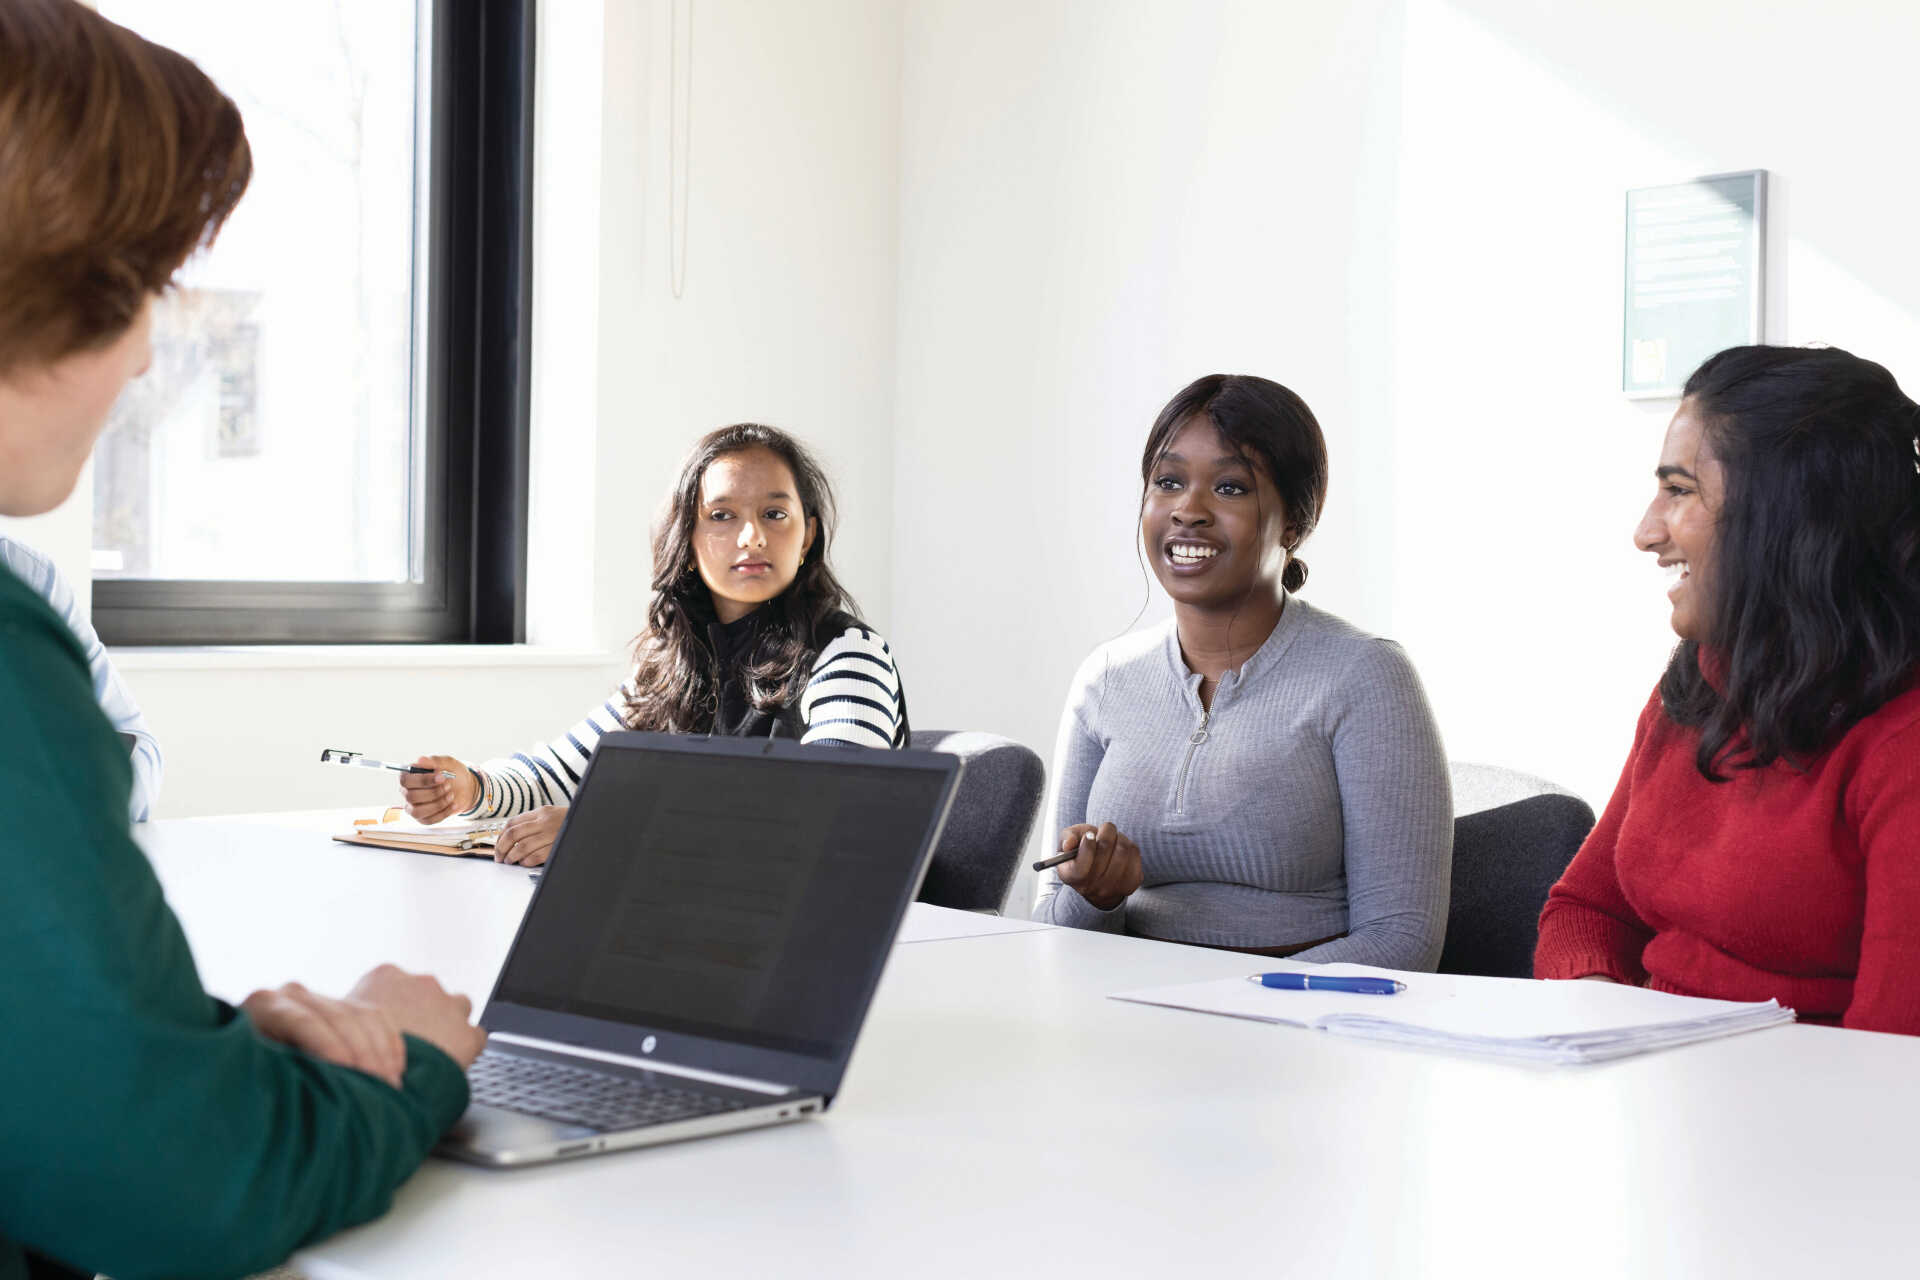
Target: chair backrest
(1513, 836)
(992, 815)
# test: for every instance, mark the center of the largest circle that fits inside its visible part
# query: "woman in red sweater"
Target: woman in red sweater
(1764, 838)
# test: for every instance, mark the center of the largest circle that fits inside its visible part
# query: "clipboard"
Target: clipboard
(477, 847)
(474, 841)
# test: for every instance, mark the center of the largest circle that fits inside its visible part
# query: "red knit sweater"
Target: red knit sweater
(1803, 887)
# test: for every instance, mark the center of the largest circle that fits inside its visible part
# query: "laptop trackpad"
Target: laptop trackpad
(483, 1128)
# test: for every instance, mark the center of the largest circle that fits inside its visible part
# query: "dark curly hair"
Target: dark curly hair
(1814, 614)
(676, 681)
(1268, 426)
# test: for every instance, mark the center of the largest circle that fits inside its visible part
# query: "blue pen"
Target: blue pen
(1328, 982)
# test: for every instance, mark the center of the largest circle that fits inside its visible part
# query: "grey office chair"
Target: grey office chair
(1513, 835)
(992, 814)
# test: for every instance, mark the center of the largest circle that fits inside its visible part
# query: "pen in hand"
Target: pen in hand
(1059, 858)
(334, 755)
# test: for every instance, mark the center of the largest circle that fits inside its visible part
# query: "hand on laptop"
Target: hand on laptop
(351, 1033)
(428, 797)
(418, 1004)
(528, 837)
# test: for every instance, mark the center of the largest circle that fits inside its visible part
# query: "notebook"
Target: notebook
(1516, 1019)
(452, 839)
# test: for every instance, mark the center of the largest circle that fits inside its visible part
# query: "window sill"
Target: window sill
(269, 657)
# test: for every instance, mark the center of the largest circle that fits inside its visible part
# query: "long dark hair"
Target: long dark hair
(1267, 425)
(676, 678)
(1814, 616)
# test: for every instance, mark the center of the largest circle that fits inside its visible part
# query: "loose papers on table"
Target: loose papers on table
(1521, 1020)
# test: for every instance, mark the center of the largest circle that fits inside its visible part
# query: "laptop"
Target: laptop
(702, 949)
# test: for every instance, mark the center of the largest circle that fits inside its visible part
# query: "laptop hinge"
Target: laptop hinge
(644, 1064)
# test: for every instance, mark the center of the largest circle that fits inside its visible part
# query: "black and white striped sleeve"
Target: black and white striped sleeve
(549, 774)
(853, 696)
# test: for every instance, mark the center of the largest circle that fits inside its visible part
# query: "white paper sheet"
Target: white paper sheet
(1501, 1017)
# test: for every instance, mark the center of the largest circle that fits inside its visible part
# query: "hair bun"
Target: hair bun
(1295, 576)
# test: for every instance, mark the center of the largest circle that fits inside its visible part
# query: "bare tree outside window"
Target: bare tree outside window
(272, 438)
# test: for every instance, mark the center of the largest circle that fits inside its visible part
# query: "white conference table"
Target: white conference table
(1002, 1117)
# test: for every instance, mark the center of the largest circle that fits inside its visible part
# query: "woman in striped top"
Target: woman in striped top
(749, 635)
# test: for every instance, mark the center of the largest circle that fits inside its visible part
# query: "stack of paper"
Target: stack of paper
(1546, 1022)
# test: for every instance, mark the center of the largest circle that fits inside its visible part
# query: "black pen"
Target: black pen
(334, 755)
(1059, 858)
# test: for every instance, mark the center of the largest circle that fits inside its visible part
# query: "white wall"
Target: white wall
(1098, 204)
(1411, 214)
(1520, 471)
(787, 315)
(242, 733)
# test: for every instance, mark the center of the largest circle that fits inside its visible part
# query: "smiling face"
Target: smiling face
(750, 532)
(1214, 526)
(1679, 524)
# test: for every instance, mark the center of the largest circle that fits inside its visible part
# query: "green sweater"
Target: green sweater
(145, 1128)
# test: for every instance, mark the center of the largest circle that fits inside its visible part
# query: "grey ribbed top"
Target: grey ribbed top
(1316, 804)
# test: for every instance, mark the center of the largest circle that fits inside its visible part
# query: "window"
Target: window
(331, 442)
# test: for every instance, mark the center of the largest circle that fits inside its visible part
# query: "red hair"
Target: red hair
(118, 158)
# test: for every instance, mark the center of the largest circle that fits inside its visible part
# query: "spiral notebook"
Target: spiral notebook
(1517, 1019)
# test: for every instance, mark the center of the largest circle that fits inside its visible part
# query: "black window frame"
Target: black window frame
(477, 356)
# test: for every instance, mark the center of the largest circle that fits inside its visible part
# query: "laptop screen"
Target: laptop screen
(749, 898)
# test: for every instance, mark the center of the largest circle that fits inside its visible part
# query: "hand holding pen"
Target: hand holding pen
(1098, 862)
(361, 760)
(443, 786)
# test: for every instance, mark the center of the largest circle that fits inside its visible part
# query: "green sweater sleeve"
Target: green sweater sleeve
(145, 1128)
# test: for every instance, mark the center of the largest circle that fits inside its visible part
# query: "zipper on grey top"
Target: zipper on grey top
(1198, 736)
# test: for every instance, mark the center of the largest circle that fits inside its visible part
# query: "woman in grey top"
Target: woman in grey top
(1256, 774)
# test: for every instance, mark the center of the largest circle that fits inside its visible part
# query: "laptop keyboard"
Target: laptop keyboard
(579, 1095)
